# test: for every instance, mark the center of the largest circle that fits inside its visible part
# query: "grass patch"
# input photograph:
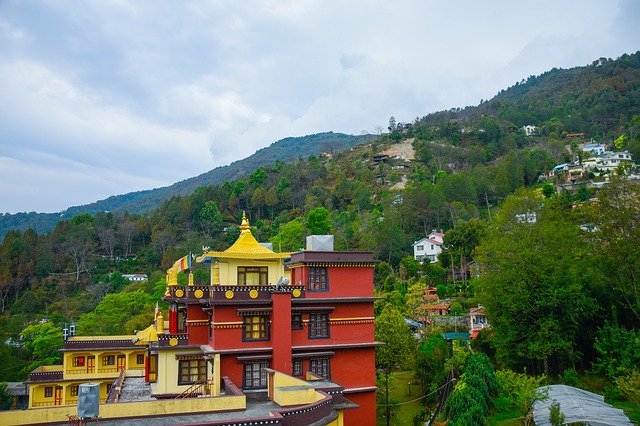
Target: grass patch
(403, 387)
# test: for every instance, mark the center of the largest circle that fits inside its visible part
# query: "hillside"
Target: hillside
(284, 150)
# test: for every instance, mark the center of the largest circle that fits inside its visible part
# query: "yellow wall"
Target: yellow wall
(288, 390)
(167, 380)
(37, 396)
(126, 409)
(229, 270)
(100, 370)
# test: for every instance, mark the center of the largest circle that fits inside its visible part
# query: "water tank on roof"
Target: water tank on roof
(320, 243)
(88, 400)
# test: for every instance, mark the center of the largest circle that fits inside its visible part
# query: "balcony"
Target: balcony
(231, 294)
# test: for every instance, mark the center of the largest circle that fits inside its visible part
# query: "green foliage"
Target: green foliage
(629, 386)
(473, 395)
(6, 399)
(42, 340)
(289, 238)
(430, 362)
(399, 345)
(318, 221)
(537, 271)
(519, 389)
(117, 314)
(618, 350)
(570, 377)
(556, 418)
(455, 308)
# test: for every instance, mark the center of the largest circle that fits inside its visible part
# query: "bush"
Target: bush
(570, 377)
(629, 387)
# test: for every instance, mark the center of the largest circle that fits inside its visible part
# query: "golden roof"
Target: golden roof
(145, 336)
(245, 247)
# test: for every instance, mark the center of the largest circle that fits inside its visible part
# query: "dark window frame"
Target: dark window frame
(48, 391)
(108, 360)
(254, 372)
(78, 361)
(321, 367)
(249, 328)
(191, 371)
(296, 321)
(318, 279)
(297, 367)
(319, 326)
(140, 359)
(181, 316)
(73, 390)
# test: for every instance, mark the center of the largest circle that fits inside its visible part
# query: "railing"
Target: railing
(230, 388)
(44, 404)
(116, 387)
(201, 388)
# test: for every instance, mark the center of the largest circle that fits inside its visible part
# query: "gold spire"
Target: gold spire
(244, 227)
(245, 247)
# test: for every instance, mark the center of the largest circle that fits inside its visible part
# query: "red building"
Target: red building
(298, 313)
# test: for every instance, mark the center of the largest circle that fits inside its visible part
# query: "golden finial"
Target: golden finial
(245, 227)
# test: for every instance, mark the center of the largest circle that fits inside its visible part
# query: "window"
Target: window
(321, 367)
(318, 280)
(109, 360)
(78, 361)
(73, 390)
(419, 248)
(318, 326)
(109, 385)
(191, 371)
(256, 327)
(140, 359)
(48, 391)
(296, 321)
(255, 375)
(432, 247)
(296, 369)
(253, 275)
(182, 318)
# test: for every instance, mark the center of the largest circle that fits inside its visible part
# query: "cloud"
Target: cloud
(98, 90)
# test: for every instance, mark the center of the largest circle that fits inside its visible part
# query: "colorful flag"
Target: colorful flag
(183, 263)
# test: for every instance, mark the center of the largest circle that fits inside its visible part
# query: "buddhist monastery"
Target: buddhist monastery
(273, 339)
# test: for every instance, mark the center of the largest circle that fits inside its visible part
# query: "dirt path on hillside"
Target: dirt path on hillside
(402, 150)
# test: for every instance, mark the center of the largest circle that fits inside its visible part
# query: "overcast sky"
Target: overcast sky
(99, 98)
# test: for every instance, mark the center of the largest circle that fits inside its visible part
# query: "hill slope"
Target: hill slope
(284, 150)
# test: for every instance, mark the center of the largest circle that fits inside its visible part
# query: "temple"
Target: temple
(279, 338)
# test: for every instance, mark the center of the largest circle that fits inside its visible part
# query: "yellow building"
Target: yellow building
(97, 359)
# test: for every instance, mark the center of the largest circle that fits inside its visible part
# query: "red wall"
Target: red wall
(366, 414)
(199, 332)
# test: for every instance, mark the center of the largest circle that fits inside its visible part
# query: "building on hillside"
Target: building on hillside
(275, 338)
(429, 247)
(595, 149)
(135, 278)
(477, 321)
(530, 130)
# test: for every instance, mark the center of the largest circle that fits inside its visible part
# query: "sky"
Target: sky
(99, 98)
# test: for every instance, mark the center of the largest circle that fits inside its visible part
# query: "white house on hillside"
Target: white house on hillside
(429, 247)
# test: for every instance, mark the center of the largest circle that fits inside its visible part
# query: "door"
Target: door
(91, 364)
(121, 363)
(57, 396)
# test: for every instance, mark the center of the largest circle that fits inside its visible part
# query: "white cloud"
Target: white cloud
(162, 91)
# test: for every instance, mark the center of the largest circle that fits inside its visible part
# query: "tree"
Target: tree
(43, 341)
(111, 315)
(398, 348)
(289, 238)
(319, 221)
(210, 218)
(535, 288)
(430, 362)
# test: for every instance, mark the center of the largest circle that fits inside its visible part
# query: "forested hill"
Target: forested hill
(284, 150)
(598, 99)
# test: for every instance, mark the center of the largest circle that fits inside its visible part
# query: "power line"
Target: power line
(417, 399)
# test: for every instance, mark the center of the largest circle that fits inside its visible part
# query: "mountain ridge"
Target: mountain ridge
(285, 150)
